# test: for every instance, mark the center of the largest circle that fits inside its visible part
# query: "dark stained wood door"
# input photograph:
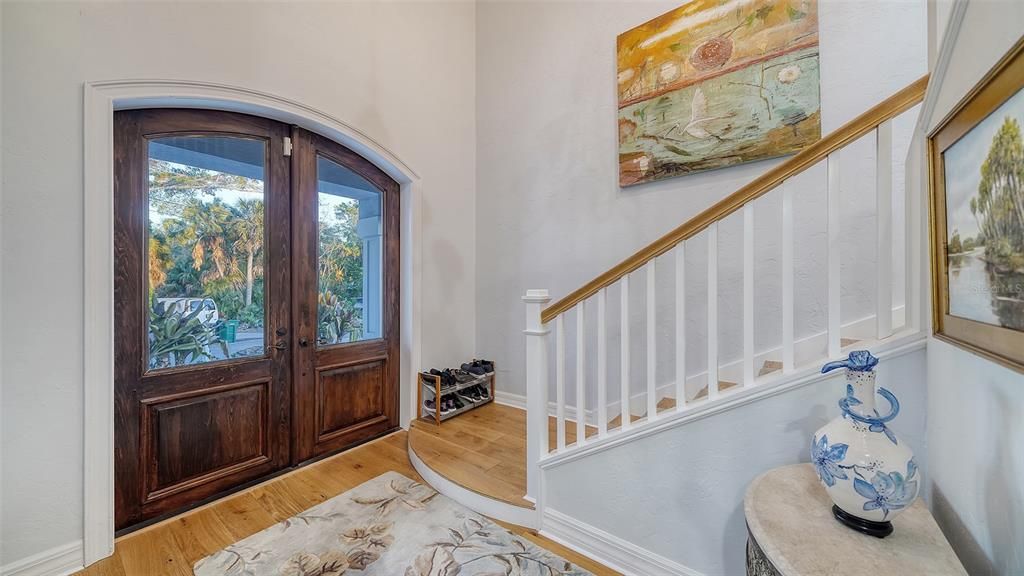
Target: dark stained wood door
(202, 306)
(347, 329)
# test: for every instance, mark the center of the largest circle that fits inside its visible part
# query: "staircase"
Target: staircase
(562, 384)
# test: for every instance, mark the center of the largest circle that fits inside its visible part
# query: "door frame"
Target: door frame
(101, 99)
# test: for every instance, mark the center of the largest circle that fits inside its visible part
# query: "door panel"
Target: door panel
(203, 436)
(345, 235)
(202, 306)
(349, 396)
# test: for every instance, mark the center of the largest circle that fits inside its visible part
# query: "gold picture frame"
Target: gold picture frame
(988, 296)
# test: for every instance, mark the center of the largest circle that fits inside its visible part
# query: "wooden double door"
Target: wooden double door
(256, 304)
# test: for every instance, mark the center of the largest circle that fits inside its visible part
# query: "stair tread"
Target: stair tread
(769, 366)
(722, 385)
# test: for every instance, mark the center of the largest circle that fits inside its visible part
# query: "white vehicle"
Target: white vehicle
(209, 316)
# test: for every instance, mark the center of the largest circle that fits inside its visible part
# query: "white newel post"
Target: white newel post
(536, 390)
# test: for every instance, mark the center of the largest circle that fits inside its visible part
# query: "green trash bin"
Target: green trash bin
(228, 331)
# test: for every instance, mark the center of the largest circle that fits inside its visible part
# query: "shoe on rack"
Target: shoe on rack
(447, 406)
(470, 395)
(461, 376)
(487, 365)
(484, 392)
(429, 405)
(472, 368)
(445, 376)
(437, 376)
(449, 375)
(457, 402)
(440, 376)
(430, 377)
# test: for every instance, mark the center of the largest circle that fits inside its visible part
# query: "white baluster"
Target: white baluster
(713, 311)
(602, 365)
(787, 278)
(581, 375)
(680, 325)
(560, 382)
(748, 294)
(652, 384)
(834, 196)
(624, 412)
(536, 389)
(883, 194)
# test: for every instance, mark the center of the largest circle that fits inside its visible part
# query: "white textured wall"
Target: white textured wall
(976, 407)
(550, 213)
(680, 493)
(403, 73)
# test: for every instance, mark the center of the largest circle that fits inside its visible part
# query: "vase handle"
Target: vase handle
(836, 365)
(894, 409)
(894, 405)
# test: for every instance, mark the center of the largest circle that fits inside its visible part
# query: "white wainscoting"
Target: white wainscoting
(608, 549)
(59, 561)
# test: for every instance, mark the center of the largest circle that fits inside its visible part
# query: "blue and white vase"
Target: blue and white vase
(869, 474)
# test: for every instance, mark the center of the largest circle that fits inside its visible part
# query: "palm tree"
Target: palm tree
(247, 228)
(206, 229)
(159, 261)
(340, 261)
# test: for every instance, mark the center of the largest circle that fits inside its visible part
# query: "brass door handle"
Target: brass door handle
(280, 345)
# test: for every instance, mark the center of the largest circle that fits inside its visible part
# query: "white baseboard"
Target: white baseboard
(510, 399)
(608, 549)
(57, 561)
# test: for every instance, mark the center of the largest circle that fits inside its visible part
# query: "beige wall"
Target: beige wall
(550, 213)
(402, 73)
(976, 407)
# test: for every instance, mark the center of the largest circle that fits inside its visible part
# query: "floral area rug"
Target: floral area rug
(388, 526)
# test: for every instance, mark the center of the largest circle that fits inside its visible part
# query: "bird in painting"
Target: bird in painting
(695, 127)
(699, 116)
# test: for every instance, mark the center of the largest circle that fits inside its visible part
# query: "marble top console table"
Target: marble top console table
(791, 532)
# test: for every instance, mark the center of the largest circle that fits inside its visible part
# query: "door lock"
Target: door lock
(303, 342)
(280, 345)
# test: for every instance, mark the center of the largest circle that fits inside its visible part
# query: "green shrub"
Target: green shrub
(176, 339)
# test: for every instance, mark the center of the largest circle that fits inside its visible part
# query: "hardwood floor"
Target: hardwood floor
(171, 547)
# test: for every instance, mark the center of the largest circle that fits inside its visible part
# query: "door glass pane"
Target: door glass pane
(205, 257)
(349, 259)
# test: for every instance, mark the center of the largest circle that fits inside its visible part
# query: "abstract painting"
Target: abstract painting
(716, 83)
(977, 163)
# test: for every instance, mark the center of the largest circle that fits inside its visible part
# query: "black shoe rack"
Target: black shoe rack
(433, 385)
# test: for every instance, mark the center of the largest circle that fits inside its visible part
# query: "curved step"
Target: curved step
(476, 460)
(475, 501)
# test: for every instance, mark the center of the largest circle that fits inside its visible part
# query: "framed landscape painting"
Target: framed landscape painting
(977, 178)
(713, 84)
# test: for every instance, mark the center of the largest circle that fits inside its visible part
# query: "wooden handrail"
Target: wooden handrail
(859, 126)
